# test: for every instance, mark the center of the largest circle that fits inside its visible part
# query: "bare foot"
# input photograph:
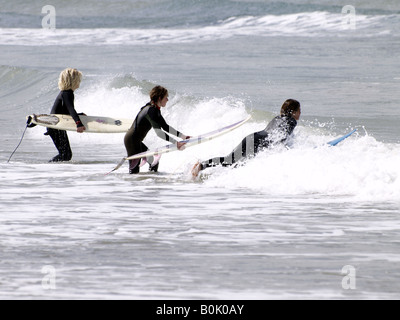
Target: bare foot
(196, 169)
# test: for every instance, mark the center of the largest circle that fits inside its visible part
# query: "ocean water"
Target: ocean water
(311, 222)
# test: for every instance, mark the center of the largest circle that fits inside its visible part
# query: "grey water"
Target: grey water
(289, 224)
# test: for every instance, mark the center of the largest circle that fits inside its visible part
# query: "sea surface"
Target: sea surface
(309, 222)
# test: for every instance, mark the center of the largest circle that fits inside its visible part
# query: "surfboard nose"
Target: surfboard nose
(29, 122)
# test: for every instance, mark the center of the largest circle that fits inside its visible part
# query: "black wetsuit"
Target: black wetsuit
(148, 117)
(277, 131)
(64, 104)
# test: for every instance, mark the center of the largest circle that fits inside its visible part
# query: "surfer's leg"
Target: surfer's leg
(134, 167)
(236, 155)
(196, 169)
(224, 161)
(61, 141)
(132, 147)
(244, 149)
(135, 148)
(199, 166)
(66, 148)
(153, 161)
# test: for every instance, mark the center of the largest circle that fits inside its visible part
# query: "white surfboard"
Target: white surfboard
(92, 123)
(188, 142)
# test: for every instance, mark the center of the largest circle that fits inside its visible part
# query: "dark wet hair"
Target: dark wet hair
(289, 107)
(158, 93)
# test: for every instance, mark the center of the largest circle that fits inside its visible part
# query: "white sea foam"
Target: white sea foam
(360, 168)
(307, 24)
(282, 226)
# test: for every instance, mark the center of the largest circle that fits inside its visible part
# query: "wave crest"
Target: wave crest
(307, 24)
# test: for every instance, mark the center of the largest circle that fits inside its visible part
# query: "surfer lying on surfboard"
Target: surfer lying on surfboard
(69, 81)
(150, 117)
(277, 131)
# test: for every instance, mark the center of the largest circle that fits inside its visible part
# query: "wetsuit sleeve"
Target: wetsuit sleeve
(279, 129)
(158, 122)
(68, 101)
(291, 124)
(287, 128)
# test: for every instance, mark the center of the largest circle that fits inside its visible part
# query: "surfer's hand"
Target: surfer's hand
(181, 146)
(80, 129)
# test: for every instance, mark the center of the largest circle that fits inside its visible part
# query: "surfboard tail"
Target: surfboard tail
(118, 166)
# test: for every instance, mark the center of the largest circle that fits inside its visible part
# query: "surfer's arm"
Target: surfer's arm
(160, 133)
(168, 129)
(158, 129)
(159, 125)
(176, 133)
(68, 100)
(168, 138)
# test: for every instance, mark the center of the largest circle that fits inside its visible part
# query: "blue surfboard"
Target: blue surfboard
(338, 140)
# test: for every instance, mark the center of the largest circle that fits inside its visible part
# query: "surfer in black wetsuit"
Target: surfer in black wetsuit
(69, 81)
(150, 117)
(277, 131)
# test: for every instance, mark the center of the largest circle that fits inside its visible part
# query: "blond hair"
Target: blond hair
(70, 79)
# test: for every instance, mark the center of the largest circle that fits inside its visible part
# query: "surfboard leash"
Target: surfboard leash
(28, 125)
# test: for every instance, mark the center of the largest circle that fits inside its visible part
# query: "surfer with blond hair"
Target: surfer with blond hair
(69, 80)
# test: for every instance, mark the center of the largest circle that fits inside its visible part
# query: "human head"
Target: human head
(290, 108)
(158, 94)
(70, 79)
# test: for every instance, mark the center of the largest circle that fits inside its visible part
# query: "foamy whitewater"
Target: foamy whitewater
(287, 224)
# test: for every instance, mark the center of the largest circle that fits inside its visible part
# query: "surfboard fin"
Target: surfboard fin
(156, 160)
(143, 162)
(118, 166)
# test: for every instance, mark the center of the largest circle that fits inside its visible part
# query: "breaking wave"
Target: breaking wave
(307, 24)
